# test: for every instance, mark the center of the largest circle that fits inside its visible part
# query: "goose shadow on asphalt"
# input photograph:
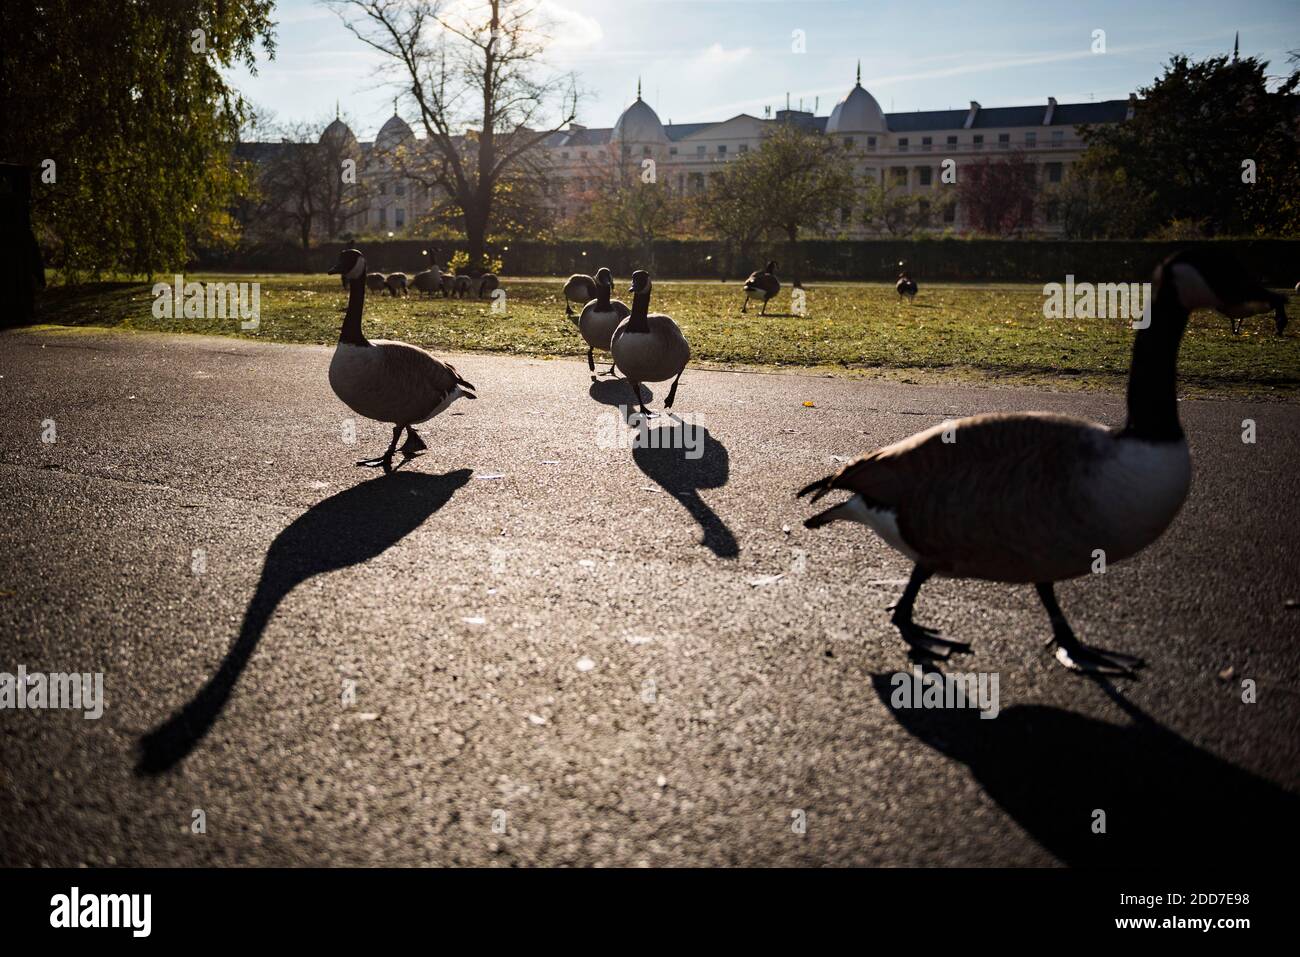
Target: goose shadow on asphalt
(683, 458)
(346, 529)
(615, 390)
(1166, 801)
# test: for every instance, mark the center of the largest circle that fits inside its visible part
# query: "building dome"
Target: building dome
(639, 123)
(338, 134)
(394, 133)
(857, 113)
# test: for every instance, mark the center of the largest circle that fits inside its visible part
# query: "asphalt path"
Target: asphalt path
(536, 645)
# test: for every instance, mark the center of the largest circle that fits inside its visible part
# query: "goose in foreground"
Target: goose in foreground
(1033, 497)
(600, 317)
(761, 285)
(388, 381)
(578, 288)
(396, 283)
(906, 286)
(648, 347)
(487, 284)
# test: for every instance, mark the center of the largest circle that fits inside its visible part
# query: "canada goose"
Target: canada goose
(376, 282)
(648, 347)
(487, 284)
(580, 289)
(1238, 318)
(396, 282)
(761, 285)
(388, 381)
(426, 282)
(600, 317)
(906, 286)
(462, 287)
(1037, 497)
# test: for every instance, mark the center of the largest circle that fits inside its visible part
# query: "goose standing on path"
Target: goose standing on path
(388, 381)
(578, 288)
(648, 347)
(906, 286)
(1033, 497)
(761, 285)
(600, 317)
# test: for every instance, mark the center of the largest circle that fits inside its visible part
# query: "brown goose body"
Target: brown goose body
(598, 321)
(396, 283)
(657, 354)
(580, 288)
(462, 286)
(375, 282)
(427, 282)
(487, 284)
(394, 382)
(1022, 497)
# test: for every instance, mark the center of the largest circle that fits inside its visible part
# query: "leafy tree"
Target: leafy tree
(629, 203)
(471, 70)
(728, 210)
(1097, 203)
(130, 103)
(1182, 155)
(903, 214)
(999, 196)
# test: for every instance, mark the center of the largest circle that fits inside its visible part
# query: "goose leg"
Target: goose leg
(386, 460)
(612, 370)
(744, 305)
(1073, 653)
(591, 360)
(668, 402)
(763, 311)
(636, 391)
(413, 445)
(924, 642)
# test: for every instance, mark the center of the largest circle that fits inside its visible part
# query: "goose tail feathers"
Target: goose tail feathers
(818, 489)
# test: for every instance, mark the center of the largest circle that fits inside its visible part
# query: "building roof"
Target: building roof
(639, 124)
(858, 112)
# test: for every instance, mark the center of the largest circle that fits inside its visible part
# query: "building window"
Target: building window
(871, 144)
(399, 217)
(900, 175)
(582, 155)
(383, 189)
(952, 141)
(1053, 172)
(1004, 141)
(950, 213)
(672, 151)
(699, 150)
(1052, 212)
(564, 155)
(902, 144)
(977, 141)
(722, 149)
(1058, 136)
(925, 174)
(744, 147)
(925, 144)
(645, 151)
(848, 142)
(383, 218)
(1031, 139)
(400, 189)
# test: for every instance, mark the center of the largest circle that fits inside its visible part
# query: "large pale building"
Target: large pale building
(904, 151)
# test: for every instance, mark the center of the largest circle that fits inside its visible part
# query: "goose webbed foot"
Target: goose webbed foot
(926, 642)
(1074, 654)
(413, 445)
(386, 460)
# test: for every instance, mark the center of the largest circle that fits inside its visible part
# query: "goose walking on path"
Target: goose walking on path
(600, 317)
(1038, 498)
(648, 347)
(388, 381)
(578, 288)
(761, 285)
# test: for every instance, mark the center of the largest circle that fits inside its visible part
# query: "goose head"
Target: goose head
(351, 265)
(1205, 279)
(770, 267)
(640, 282)
(604, 277)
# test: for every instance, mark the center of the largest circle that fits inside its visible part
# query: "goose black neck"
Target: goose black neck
(640, 309)
(602, 295)
(1153, 372)
(351, 332)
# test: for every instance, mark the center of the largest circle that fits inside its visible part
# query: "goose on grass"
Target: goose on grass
(761, 285)
(580, 289)
(388, 381)
(1035, 498)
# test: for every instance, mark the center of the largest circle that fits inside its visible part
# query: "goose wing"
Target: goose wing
(414, 384)
(1006, 496)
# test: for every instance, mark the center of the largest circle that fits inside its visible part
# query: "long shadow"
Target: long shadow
(682, 471)
(1166, 801)
(345, 529)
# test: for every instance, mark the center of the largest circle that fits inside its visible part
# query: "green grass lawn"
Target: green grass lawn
(985, 333)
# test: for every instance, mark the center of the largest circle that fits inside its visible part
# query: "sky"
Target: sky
(701, 60)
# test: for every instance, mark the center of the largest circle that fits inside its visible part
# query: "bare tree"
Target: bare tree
(626, 201)
(472, 71)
